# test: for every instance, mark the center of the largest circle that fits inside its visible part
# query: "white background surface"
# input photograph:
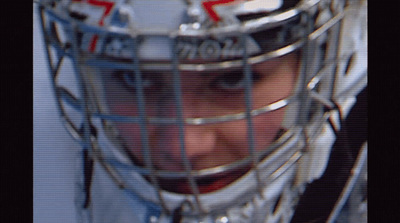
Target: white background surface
(53, 148)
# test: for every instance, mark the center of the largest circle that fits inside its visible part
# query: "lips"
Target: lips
(205, 185)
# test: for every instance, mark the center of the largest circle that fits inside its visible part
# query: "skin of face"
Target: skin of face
(203, 95)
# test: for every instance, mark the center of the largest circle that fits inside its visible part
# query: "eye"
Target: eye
(129, 80)
(232, 81)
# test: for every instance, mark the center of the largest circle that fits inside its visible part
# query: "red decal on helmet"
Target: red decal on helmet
(208, 6)
(107, 5)
(107, 10)
(93, 43)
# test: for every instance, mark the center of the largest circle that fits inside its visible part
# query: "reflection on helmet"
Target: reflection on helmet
(207, 111)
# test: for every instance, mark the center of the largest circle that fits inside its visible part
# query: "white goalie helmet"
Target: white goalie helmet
(203, 110)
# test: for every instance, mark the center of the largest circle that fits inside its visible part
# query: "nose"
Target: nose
(199, 143)
(198, 140)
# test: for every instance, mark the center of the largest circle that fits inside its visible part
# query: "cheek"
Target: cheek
(129, 132)
(265, 128)
(122, 108)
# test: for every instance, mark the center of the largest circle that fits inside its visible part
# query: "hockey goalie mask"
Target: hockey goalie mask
(206, 108)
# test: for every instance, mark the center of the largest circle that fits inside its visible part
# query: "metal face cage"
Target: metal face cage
(295, 30)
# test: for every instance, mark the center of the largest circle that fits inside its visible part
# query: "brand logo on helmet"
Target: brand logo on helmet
(211, 49)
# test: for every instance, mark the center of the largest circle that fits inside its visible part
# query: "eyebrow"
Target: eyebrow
(206, 74)
(212, 73)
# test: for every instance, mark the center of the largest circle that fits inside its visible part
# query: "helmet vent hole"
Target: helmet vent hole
(78, 16)
(349, 64)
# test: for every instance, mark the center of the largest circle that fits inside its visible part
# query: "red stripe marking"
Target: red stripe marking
(107, 5)
(93, 43)
(209, 7)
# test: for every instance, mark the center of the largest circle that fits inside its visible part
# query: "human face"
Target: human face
(203, 95)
